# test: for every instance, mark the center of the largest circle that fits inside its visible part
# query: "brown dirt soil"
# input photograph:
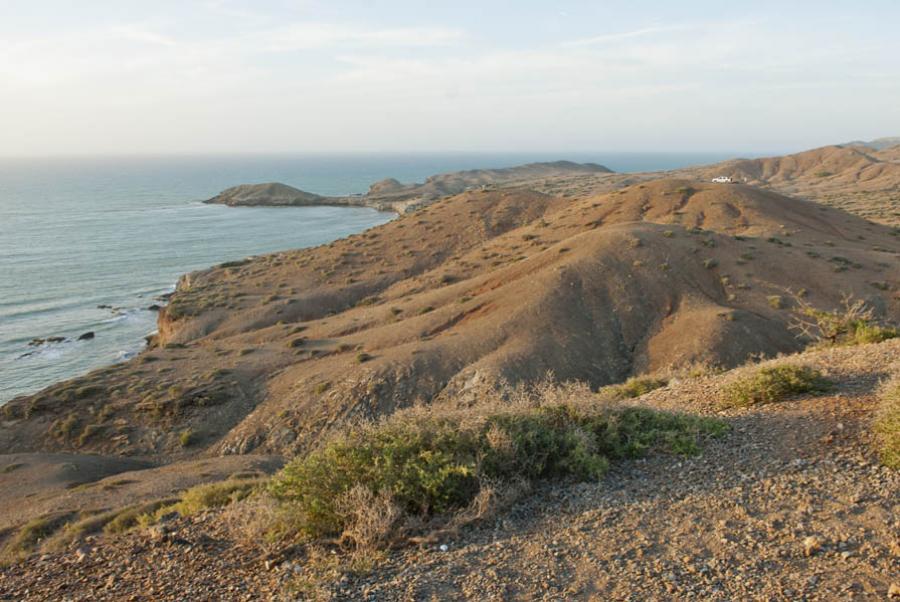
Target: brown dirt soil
(733, 523)
(51, 483)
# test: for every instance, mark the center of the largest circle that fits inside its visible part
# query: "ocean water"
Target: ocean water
(76, 234)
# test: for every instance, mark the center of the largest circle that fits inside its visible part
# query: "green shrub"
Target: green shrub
(774, 383)
(887, 424)
(633, 387)
(89, 431)
(30, 536)
(215, 495)
(435, 463)
(187, 437)
(129, 517)
(775, 301)
(853, 323)
(65, 427)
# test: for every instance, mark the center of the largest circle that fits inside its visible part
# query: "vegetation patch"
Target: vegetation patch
(421, 467)
(127, 518)
(214, 495)
(887, 424)
(773, 383)
(30, 536)
(852, 323)
(633, 387)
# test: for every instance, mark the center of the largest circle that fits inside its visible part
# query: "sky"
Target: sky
(272, 76)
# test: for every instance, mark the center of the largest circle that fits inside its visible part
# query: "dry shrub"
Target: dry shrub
(853, 323)
(887, 423)
(250, 522)
(369, 518)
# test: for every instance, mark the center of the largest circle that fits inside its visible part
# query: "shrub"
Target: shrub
(89, 431)
(129, 517)
(65, 428)
(429, 464)
(187, 437)
(30, 535)
(853, 323)
(773, 383)
(887, 424)
(215, 495)
(633, 387)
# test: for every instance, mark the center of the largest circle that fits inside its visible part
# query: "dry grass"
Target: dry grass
(31, 535)
(887, 423)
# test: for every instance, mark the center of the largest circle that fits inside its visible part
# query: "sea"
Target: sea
(89, 244)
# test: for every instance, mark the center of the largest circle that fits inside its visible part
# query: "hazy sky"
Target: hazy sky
(123, 76)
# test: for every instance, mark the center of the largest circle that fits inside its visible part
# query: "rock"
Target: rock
(158, 533)
(387, 186)
(47, 341)
(87, 336)
(154, 307)
(894, 591)
(81, 554)
(811, 545)
(104, 306)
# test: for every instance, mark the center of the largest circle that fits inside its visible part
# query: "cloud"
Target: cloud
(303, 36)
(625, 35)
(138, 34)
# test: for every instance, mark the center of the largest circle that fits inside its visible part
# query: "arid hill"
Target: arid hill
(858, 179)
(878, 143)
(268, 354)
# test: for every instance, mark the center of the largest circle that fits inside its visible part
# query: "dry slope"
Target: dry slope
(269, 354)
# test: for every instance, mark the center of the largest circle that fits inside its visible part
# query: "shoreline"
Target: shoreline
(123, 352)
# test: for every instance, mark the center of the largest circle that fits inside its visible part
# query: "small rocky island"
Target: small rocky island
(392, 195)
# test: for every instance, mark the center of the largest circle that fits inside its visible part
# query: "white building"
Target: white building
(722, 180)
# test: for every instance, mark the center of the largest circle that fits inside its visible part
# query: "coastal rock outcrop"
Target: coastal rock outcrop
(269, 194)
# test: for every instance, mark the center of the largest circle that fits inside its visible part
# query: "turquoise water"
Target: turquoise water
(78, 233)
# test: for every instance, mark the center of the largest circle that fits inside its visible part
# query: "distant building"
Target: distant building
(722, 180)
